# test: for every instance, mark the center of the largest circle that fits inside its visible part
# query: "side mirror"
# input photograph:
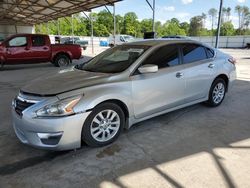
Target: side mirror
(148, 68)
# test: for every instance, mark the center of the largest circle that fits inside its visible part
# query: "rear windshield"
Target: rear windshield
(115, 60)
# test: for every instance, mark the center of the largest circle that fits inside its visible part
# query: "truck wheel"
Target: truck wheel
(84, 48)
(62, 60)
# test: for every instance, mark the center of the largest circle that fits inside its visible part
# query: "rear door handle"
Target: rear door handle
(45, 48)
(179, 75)
(211, 65)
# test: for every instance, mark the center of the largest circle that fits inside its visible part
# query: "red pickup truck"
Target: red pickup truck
(36, 48)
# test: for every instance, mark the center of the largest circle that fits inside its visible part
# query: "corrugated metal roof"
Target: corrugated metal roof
(24, 12)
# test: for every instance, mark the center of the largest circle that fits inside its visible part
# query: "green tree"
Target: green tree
(212, 13)
(195, 26)
(172, 27)
(119, 23)
(159, 28)
(185, 26)
(104, 18)
(238, 9)
(228, 13)
(227, 29)
(146, 25)
(130, 24)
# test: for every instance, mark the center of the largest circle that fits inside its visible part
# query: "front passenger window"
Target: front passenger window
(165, 56)
(18, 42)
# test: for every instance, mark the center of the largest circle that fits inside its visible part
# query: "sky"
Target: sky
(180, 9)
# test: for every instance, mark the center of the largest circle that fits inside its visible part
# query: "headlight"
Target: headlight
(60, 108)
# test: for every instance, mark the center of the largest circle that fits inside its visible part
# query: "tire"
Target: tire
(95, 129)
(1, 66)
(217, 93)
(62, 60)
(111, 45)
(84, 48)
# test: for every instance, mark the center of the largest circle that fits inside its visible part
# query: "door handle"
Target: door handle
(179, 75)
(8, 52)
(211, 65)
(45, 48)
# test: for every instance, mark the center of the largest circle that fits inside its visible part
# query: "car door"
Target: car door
(198, 70)
(40, 48)
(155, 92)
(17, 50)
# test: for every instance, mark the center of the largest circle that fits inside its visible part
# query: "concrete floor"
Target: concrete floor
(193, 147)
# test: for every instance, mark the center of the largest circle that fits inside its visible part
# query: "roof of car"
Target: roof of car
(155, 42)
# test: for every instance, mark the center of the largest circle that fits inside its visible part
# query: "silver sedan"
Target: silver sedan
(95, 101)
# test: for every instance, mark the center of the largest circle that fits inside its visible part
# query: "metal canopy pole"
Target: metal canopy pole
(153, 15)
(114, 18)
(219, 24)
(92, 32)
(90, 18)
(58, 26)
(72, 28)
(16, 29)
(47, 27)
(153, 9)
(114, 33)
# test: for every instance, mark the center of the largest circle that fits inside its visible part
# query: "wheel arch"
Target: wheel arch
(60, 53)
(121, 104)
(225, 78)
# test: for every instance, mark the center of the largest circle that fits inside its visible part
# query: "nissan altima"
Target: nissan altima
(93, 102)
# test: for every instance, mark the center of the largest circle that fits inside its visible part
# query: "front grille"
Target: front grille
(20, 106)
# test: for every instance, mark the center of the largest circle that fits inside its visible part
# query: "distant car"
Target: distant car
(34, 48)
(124, 85)
(119, 39)
(75, 40)
(174, 37)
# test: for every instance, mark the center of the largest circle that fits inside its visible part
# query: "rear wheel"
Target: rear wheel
(217, 92)
(103, 125)
(62, 60)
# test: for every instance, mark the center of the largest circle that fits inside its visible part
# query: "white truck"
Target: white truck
(119, 39)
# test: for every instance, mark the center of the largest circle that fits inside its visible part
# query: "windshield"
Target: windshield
(128, 37)
(115, 60)
(76, 38)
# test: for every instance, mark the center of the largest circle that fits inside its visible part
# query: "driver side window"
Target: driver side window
(18, 42)
(166, 56)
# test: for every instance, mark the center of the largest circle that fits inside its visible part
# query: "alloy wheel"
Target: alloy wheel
(218, 93)
(105, 125)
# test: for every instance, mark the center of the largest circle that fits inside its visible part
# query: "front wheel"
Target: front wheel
(62, 60)
(103, 125)
(217, 92)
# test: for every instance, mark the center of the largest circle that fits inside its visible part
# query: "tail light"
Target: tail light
(232, 60)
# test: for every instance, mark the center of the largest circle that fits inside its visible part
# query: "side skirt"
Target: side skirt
(133, 120)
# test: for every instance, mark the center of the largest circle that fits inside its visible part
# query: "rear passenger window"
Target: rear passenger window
(193, 52)
(38, 41)
(210, 53)
(165, 56)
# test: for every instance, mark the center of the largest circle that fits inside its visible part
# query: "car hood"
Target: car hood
(63, 81)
